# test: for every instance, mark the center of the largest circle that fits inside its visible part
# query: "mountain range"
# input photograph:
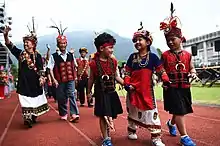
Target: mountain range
(76, 39)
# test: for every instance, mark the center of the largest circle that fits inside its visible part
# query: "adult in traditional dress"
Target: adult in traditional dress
(82, 76)
(62, 67)
(30, 77)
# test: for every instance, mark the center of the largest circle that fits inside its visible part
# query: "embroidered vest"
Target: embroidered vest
(64, 70)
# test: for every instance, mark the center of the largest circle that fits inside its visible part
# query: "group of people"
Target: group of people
(4, 83)
(67, 73)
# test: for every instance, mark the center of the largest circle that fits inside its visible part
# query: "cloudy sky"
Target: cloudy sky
(198, 17)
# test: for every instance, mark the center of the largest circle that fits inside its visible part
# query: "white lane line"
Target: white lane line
(79, 131)
(8, 125)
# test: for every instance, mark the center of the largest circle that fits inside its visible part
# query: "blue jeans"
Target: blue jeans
(63, 92)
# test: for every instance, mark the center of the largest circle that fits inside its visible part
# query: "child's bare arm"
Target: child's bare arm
(192, 68)
(118, 78)
(90, 81)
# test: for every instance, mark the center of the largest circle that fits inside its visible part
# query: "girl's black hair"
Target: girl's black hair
(102, 39)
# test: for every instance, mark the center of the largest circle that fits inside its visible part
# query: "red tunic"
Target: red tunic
(106, 66)
(141, 79)
(82, 64)
(178, 76)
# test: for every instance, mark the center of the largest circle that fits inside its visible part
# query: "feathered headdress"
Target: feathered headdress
(170, 25)
(60, 37)
(32, 36)
(142, 33)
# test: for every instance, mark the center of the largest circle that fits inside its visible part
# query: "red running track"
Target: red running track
(203, 126)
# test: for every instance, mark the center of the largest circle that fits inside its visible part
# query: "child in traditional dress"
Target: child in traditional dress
(141, 102)
(103, 74)
(179, 67)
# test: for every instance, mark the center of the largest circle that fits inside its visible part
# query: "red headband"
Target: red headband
(107, 44)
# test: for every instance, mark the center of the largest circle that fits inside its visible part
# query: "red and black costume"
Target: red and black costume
(177, 98)
(82, 76)
(64, 69)
(107, 102)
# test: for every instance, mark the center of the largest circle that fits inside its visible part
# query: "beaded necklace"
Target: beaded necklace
(30, 63)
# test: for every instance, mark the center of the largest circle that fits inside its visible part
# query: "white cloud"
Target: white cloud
(122, 16)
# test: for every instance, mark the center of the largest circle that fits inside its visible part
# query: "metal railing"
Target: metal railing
(209, 75)
(4, 57)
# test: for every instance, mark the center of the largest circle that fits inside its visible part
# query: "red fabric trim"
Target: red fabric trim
(159, 68)
(165, 77)
(127, 80)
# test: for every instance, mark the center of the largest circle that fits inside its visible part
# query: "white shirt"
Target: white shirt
(51, 61)
(84, 59)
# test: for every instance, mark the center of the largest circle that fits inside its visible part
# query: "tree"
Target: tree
(120, 62)
(159, 52)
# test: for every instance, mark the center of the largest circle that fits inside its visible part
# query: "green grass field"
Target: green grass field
(202, 95)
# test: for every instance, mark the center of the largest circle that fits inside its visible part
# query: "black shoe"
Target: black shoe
(28, 123)
(34, 119)
(90, 105)
(90, 102)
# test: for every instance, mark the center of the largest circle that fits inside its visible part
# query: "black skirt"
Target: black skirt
(178, 101)
(107, 104)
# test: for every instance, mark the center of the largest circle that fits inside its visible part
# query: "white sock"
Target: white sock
(183, 136)
(170, 123)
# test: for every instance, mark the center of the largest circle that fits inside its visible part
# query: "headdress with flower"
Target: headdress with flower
(142, 33)
(60, 38)
(170, 26)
